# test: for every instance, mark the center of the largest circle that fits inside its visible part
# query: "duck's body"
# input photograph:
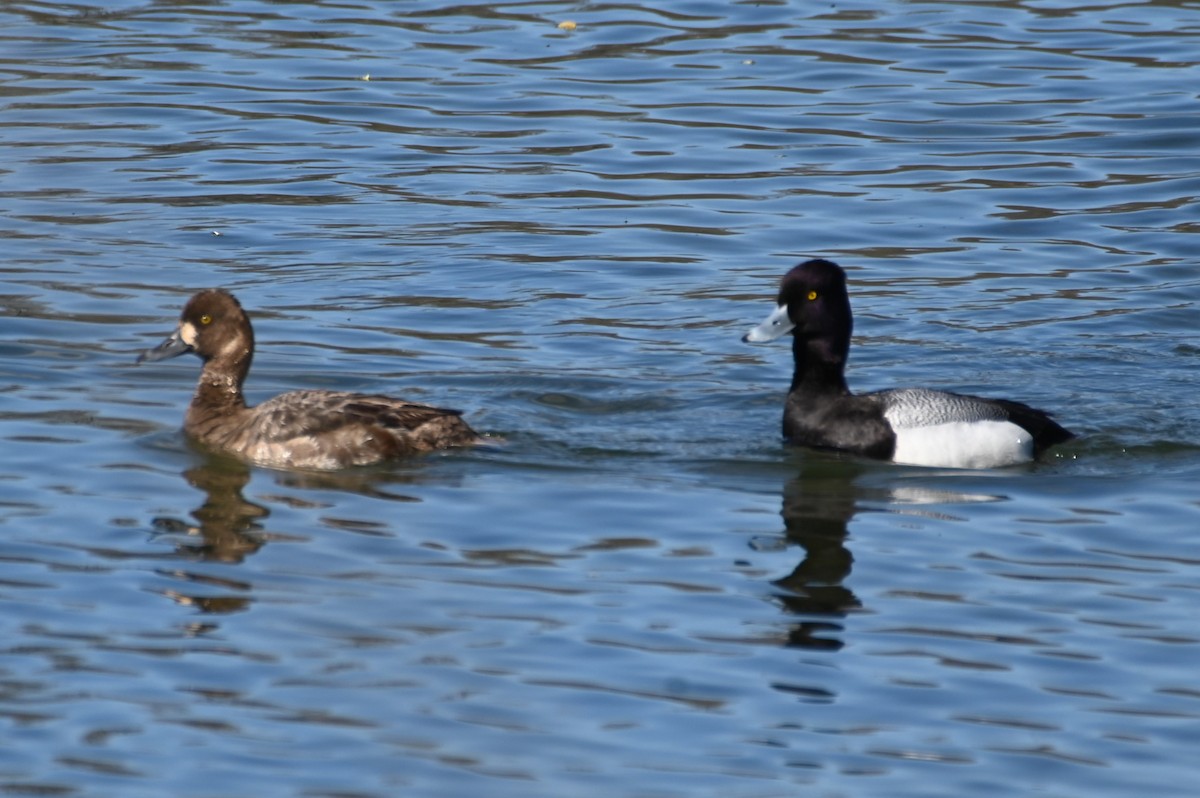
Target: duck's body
(322, 430)
(916, 426)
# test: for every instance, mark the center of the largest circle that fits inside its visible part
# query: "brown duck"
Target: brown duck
(311, 429)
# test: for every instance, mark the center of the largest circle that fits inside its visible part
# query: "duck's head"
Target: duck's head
(812, 304)
(212, 325)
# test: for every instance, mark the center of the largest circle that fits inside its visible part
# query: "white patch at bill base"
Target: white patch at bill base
(187, 333)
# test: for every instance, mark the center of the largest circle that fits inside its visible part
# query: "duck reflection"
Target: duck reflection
(818, 504)
(228, 527)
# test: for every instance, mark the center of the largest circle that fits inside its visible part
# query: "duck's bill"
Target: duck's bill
(772, 327)
(172, 347)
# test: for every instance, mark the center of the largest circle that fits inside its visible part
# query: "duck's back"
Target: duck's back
(922, 407)
(950, 429)
(329, 429)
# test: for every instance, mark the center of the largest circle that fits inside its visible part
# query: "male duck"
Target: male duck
(916, 426)
(322, 430)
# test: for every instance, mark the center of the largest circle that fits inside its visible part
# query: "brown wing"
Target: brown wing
(314, 413)
(394, 413)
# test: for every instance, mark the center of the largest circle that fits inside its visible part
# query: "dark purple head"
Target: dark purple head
(812, 305)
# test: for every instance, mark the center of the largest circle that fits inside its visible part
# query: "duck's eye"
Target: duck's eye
(206, 319)
(812, 295)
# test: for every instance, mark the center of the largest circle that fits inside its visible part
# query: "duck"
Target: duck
(912, 426)
(306, 429)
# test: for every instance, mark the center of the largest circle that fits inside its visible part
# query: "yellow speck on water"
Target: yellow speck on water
(567, 24)
(366, 76)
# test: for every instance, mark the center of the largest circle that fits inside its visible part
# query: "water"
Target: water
(565, 233)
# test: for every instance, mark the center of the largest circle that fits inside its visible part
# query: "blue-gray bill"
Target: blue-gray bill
(772, 327)
(172, 347)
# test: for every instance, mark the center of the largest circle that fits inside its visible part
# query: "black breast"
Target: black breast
(845, 422)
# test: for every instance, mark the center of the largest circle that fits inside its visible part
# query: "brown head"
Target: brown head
(214, 327)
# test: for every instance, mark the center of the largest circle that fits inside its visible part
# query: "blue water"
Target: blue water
(565, 233)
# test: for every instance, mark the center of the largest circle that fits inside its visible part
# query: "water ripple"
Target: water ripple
(563, 230)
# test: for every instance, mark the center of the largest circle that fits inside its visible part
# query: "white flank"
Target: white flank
(962, 444)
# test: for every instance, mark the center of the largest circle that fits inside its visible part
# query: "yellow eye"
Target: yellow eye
(812, 295)
(206, 319)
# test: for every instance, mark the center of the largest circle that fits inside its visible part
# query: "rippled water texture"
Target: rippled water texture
(564, 231)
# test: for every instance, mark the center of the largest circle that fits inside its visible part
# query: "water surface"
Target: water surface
(565, 233)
